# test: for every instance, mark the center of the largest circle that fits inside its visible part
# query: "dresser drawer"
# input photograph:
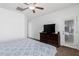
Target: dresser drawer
(52, 39)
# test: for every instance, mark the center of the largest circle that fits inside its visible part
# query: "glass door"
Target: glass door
(69, 31)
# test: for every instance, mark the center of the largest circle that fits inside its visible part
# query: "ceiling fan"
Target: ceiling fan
(33, 7)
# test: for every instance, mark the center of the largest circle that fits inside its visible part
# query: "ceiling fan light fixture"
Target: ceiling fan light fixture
(32, 7)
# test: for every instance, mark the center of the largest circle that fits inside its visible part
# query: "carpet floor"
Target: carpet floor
(66, 51)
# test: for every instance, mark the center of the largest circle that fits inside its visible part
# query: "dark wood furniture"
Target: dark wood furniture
(52, 39)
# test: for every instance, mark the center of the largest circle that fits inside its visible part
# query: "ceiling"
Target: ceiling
(48, 8)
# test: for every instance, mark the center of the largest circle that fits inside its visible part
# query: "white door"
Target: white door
(70, 38)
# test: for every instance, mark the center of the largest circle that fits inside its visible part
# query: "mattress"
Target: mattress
(26, 47)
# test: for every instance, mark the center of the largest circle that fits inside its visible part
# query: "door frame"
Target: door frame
(75, 31)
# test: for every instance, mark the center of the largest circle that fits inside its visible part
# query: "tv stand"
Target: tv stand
(50, 38)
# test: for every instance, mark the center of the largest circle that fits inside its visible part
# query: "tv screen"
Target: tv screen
(50, 28)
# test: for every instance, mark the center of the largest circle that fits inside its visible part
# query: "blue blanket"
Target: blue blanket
(26, 47)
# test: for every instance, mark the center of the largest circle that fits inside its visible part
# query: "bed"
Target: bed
(26, 47)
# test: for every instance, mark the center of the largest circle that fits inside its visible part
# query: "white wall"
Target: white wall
(12, 25)
(57, 17)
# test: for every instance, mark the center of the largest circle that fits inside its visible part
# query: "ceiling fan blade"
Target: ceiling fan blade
(21, 9)
(27, 3)
(34, 3)
(33, 11)
(39, 8)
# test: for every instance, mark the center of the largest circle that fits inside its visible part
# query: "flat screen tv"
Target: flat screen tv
(49, 28)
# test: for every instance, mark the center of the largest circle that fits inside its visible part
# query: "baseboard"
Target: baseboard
(70, 47)
(33, 38)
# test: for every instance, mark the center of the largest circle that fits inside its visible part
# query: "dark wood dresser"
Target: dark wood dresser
(52, 39)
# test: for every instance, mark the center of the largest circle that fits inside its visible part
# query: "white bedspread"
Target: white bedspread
(26, 47)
